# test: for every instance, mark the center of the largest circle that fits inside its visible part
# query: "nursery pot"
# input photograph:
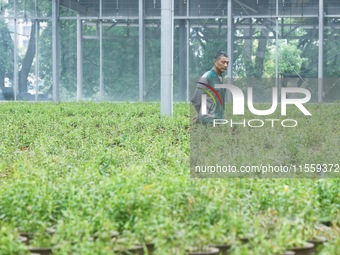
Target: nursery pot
(150, 247)
(27, 236)
(136, 250)
(288, 253)
(244, 240)
(307, 249)
(223, 248)
(41, 251)
(23, 239)
(207, 251)
(326, 222)
(318, 242)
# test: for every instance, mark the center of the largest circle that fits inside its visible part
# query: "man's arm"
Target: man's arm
(196, 100)
(198, 108)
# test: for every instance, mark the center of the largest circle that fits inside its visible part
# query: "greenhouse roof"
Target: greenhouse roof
(203, 8)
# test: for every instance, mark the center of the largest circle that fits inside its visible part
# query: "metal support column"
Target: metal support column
(36, 90)
(55, 50)
(277, 47)
(141, 51)
(183, 44)
(320, 59)
(167, 24)
(187, 53)
(15, 52)
(101, 55)
(230, 46)
(79, 60)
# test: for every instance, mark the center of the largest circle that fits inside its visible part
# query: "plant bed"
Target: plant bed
(85, 148)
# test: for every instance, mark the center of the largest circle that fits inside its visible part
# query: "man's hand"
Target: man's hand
(194, 119)
(198, 108)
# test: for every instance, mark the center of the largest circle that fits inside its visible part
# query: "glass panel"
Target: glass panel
(83, 8)
(26, 8)
(253, 47)
(298, 54)
(120, 63)
(332, 7)
(110, 8)
(152, 8)
(44, 8)
(6, 59)
(254, 8)
(26, 52)
(298, 7)
(34, 8)
(208, 8)
(153, 59)
(33, 57)
(255, 52)
(7, 8)
(180, 8)
(69, 8)
(128, 8)
(180, 58)
(90, 60)
(68, 60)
(42, 63)
(120, 8)
(331, 59)
(206, 38)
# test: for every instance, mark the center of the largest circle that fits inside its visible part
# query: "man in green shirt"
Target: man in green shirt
(214, 97)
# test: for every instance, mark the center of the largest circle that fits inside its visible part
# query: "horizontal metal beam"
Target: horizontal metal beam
(224, 26)
(192, 17)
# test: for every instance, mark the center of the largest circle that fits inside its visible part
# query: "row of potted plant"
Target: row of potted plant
(200, 238)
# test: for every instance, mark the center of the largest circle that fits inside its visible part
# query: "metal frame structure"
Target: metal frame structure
(183, 13)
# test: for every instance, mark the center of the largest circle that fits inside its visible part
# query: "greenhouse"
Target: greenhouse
(101, 50)
(169, 127)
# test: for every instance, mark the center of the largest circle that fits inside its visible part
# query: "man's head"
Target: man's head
(221, 62)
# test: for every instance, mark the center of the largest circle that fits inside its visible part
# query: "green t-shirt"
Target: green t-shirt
(215, 107)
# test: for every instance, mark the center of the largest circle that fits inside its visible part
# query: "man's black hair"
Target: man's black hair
(220, 53)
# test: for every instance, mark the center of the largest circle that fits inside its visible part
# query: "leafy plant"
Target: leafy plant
(10, 242)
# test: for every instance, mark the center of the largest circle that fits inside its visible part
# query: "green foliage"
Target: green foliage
(89, 169)
(10, 242)
(290, 60)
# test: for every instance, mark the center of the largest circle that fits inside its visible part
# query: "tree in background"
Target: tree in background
(6, 54)
(26, 9)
